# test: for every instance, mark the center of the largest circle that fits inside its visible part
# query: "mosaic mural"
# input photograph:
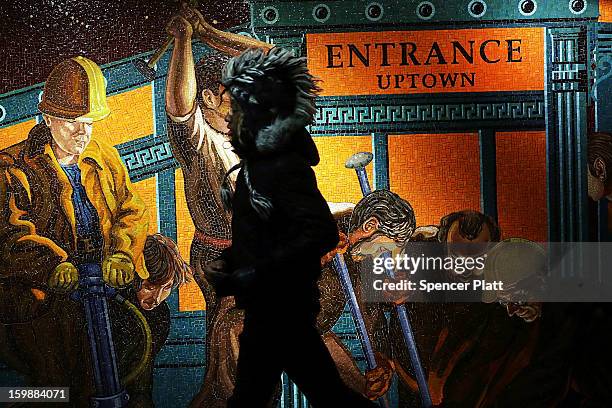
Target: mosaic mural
(470, 114)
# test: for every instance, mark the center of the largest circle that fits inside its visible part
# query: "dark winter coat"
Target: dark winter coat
(276, 261)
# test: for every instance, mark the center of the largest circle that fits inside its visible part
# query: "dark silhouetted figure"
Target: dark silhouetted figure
(281, 227)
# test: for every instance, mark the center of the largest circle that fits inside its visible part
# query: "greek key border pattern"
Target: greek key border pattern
(411, 113)
(146, 156)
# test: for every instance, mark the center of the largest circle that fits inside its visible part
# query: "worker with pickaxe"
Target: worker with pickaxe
(197, 106)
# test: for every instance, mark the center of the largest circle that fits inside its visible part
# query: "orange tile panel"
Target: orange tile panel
(147, 190)
(521, 185)
(190, 296)
(14, 134)
(605, 11)
(131, 117)
(437, 173)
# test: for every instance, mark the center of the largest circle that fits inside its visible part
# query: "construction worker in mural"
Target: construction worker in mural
(548, 344)
(281, 227)
(384, 222)
(481, 339)
(197, 105)
(455, 340)
(66, 201)
(167, 270)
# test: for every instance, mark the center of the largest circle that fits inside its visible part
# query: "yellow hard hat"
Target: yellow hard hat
(75, 90)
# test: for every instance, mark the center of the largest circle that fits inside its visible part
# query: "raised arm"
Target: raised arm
(181, 88)
(223, 41)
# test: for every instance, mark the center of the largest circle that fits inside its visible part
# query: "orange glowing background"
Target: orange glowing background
(605, 11)
(190, 296)
(16, 133)
(521, 185)
(337, 183)
(436, 173)
(440, 173)
(528, 74)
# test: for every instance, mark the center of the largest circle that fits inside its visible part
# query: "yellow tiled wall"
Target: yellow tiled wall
(336, 182)
(190, 296)
(437, 173)
(131, 117)
(147, 190)
(14, 134)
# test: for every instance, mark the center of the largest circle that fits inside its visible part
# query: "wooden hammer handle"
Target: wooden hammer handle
(229, 43)
(160, 51)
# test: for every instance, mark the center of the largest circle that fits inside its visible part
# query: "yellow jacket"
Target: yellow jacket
(37, 221)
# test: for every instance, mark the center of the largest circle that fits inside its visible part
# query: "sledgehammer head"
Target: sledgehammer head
(143, 67)
(359, 160)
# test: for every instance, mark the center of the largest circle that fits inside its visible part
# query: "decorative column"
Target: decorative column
(166, 202)
(566, 133)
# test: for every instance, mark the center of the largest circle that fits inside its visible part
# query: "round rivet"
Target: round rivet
(528, 7)
(477, 8)
(578, 6)
(374, 11)
(321, 13)
(426, 10)
(269, 15)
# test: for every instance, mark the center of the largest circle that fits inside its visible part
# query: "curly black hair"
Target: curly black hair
(208, 73)
(272, 86)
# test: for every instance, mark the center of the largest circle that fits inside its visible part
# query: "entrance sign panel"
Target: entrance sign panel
(414, 62)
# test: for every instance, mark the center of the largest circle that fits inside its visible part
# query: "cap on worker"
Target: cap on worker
(75, 90)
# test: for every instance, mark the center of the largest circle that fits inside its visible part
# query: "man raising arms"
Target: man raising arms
(197, 106)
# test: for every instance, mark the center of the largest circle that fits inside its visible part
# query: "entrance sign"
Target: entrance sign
(405, 62)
